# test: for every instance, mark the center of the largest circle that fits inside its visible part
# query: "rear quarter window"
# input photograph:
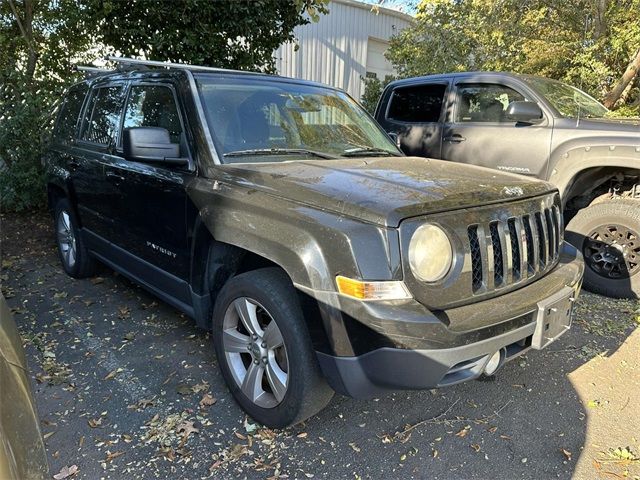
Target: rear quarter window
(417, 104)
(67, 124)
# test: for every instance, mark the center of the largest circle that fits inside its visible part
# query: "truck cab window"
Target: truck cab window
(484, 103)
(417, 104)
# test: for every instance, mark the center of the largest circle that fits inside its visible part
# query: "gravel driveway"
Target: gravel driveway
(127, 387)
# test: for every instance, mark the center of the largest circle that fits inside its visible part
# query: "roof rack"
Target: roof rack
(124, 61)
(91, 71)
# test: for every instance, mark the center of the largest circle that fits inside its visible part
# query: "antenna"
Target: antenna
(185, 66)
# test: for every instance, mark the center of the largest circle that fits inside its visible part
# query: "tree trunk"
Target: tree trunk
(26, 30)
(630, 73)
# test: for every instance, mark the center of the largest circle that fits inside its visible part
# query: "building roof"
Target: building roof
(382, 10)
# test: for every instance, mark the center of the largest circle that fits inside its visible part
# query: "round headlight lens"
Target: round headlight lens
(430, 253)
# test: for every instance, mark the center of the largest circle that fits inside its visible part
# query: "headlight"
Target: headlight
(430, 253)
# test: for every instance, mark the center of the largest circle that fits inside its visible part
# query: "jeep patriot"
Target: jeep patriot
(279, 215)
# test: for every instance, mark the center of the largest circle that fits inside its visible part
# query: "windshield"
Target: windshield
(261, 120)
(567, 100)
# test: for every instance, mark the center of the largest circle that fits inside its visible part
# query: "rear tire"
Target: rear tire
(76, 260)
(264, 349)
(607, 234)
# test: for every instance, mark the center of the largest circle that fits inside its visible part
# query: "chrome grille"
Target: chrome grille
(505, 252)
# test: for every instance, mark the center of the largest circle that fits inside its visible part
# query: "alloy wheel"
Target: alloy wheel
(66, 239)
(612, 251)
(255, 352)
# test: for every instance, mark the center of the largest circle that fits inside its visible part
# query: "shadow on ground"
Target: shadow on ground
(127, 387)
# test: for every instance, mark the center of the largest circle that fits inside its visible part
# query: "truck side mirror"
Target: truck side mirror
(527, 112)
(394, 138)
(151, 145)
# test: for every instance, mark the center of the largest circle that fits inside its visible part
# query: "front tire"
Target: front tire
(74, 256)
(264, 350)
(608, 235)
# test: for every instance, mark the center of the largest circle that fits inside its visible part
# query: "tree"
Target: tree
(40, 40)
(240, 34)
(589, 43)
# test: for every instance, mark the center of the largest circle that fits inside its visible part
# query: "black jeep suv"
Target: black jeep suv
(277, 213)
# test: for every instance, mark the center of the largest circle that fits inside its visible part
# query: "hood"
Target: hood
(619, 125)
(385, 190)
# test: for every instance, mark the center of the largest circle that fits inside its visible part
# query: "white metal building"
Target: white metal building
(344, 46)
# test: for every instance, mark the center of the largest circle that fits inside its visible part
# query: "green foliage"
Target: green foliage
(587, 43)
(37, 42)
(41, 40)
(225, 33)
(373, 88)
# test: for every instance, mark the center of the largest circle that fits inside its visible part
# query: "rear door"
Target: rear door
(94, 149)
(152, 210)
(416, 114)
(478, 132)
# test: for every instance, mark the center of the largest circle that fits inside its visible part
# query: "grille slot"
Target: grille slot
(476, 258)
(498, 255)
(504, 252)
(515, 237)
(542, 233)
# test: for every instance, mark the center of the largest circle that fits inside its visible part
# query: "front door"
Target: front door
(477, 131)
(153, 226)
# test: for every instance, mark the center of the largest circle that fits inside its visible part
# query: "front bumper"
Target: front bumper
(436, 349)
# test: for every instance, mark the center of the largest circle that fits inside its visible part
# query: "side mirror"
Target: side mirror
(394, 138)
(152, 145)
(527, 112)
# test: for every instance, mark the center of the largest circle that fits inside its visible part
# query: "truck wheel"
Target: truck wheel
(608, 235)
(264, 350)
(76, 259)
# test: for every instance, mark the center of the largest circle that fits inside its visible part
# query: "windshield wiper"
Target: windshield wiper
(366, 151)
(277, 151)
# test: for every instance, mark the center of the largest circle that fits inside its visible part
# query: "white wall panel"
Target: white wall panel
(334, 50)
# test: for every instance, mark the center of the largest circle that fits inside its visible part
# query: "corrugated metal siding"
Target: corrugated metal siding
(334, 50)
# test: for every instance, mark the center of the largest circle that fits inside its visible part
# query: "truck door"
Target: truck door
(477, 130)
(415, 114)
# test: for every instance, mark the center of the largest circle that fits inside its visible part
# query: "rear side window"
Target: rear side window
(102, 115)
(153, 106)
(68, 119)
(421, 103)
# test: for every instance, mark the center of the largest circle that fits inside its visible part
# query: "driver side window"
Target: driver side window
(153, 106)
(484, 102)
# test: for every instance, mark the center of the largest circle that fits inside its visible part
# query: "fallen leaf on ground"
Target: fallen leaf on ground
(463, 433)
(66, 472)
(187, 428)
(207, 400)
(95, 423)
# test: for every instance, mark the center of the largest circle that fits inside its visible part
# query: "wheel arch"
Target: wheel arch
(215, 262)
(580, 161)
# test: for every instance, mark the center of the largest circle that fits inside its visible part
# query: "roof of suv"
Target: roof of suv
(172, 71)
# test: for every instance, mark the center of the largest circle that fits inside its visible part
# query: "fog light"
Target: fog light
(494, 362)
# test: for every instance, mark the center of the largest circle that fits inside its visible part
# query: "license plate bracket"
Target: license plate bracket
(554, 318)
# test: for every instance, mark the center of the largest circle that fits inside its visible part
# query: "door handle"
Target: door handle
(114, 177)
(456, 138)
